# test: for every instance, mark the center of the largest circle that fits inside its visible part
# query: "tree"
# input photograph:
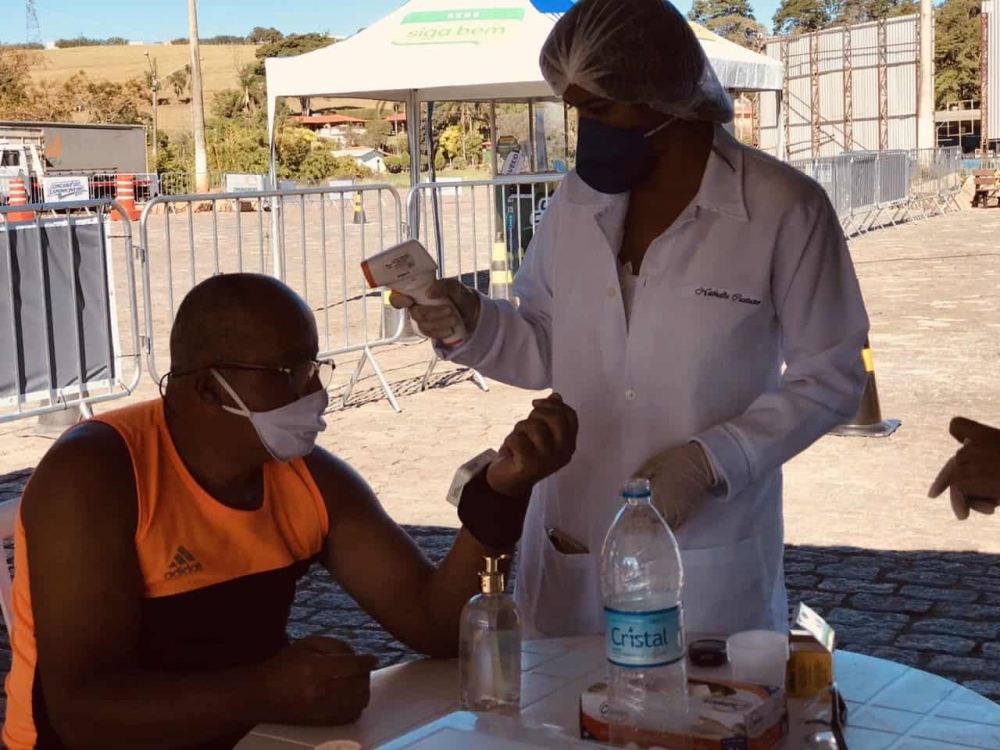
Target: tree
(956, 53)
(15, 79)
(801, 16)
(252, 90)
(180, 82)
(294, 146)
(233, 146)
(878, 9)
(260, 35)
(227, 104)
(731, 19)
(859, 11)
(291, 46)
(101, 101)
(377, 134)
(175, 155)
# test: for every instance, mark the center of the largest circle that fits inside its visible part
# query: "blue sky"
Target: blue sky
(154, 21)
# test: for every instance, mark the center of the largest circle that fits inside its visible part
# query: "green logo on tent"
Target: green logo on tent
(458, 26)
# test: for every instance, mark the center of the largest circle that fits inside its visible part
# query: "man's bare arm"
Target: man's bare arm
(80, 514)
(382, 568)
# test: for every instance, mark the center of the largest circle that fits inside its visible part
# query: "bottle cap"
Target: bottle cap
(491, 580)
(637, 488)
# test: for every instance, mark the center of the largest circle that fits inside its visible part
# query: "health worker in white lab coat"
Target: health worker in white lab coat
(673, 274)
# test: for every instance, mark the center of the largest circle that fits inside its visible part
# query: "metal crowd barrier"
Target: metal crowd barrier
(313, 239)
(479, 230)
(61, 321)
(936, 180)
(872, 189)
(146, 186)
(186, 183)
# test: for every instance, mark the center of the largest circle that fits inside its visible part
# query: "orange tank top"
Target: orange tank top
(219, 581)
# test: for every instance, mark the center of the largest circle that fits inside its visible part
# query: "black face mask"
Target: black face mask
(614, 160)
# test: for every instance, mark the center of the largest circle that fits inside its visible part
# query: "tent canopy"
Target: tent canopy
(464, 50)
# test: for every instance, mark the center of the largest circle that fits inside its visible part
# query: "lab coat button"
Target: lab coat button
(611, 292)
(630, 394)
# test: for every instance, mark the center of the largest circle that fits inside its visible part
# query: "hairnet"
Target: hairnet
(635, 52)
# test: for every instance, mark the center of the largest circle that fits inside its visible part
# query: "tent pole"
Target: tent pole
(493, 137)
(413, 138)
(435, 195)
(782, 147)
(566, 131)
(532, 136)
(277, 254)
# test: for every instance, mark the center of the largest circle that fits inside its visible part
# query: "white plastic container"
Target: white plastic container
(759, 656)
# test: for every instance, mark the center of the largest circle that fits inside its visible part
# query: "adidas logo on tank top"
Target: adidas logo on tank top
(182, 563)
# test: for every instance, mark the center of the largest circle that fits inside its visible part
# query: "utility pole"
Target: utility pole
(926, 132)
(197, 103)
(154, 86)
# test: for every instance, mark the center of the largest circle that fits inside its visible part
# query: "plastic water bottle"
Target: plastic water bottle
(641, 578)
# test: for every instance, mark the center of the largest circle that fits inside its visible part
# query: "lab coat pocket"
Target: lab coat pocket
(724, 589)
(567, 601)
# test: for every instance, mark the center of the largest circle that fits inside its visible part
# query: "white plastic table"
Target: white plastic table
(891, 706)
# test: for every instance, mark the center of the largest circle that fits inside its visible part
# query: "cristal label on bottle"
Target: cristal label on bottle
(643, 640)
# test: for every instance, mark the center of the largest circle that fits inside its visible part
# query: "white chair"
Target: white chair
(8, 520)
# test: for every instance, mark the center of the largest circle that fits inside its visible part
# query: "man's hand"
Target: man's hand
(681, 479)
(318, 681)
(973, 474)
(538, 447)
(440, 321)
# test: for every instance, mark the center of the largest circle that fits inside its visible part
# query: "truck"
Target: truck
(33, 150)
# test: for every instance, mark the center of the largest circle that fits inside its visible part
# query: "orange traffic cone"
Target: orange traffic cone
(125, 197)
(868, 421)
(19, 197)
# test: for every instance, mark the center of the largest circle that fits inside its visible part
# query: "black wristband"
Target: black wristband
(494, 519)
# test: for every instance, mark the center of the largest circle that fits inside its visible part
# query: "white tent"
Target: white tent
(463, 50)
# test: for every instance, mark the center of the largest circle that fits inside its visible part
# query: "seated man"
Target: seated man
(973, 473)
(165, 540)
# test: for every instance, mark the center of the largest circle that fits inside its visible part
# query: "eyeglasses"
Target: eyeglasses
(299, 375)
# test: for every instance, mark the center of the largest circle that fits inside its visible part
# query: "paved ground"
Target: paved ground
(892, 569)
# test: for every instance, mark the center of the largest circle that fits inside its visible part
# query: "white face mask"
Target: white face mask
(289, 431)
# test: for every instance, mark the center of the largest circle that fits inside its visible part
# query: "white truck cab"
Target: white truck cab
(19, 160)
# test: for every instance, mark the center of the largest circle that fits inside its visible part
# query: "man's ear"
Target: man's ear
(207, 388)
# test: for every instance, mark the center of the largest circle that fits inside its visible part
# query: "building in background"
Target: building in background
(850, 88)
(959, 124)
(336, 128)
(989, 72)
(371, 158)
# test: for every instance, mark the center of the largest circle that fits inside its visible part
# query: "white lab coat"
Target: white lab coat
(754, 273)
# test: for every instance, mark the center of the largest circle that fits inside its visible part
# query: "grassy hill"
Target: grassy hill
(219, 66)
(219, 70)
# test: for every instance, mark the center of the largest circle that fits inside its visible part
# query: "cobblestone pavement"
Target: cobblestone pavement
(938, 611)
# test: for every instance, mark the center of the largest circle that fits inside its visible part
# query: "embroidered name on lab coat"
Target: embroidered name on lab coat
(705, 291)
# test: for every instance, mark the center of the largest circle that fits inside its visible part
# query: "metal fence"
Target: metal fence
(62, 316)
(466, 224)
(104, 186)
(871, 189)
(313, 239)
(479, 230)
(100, 187)
(186, 183)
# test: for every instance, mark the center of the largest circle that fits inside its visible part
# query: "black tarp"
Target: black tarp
(55, 307)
